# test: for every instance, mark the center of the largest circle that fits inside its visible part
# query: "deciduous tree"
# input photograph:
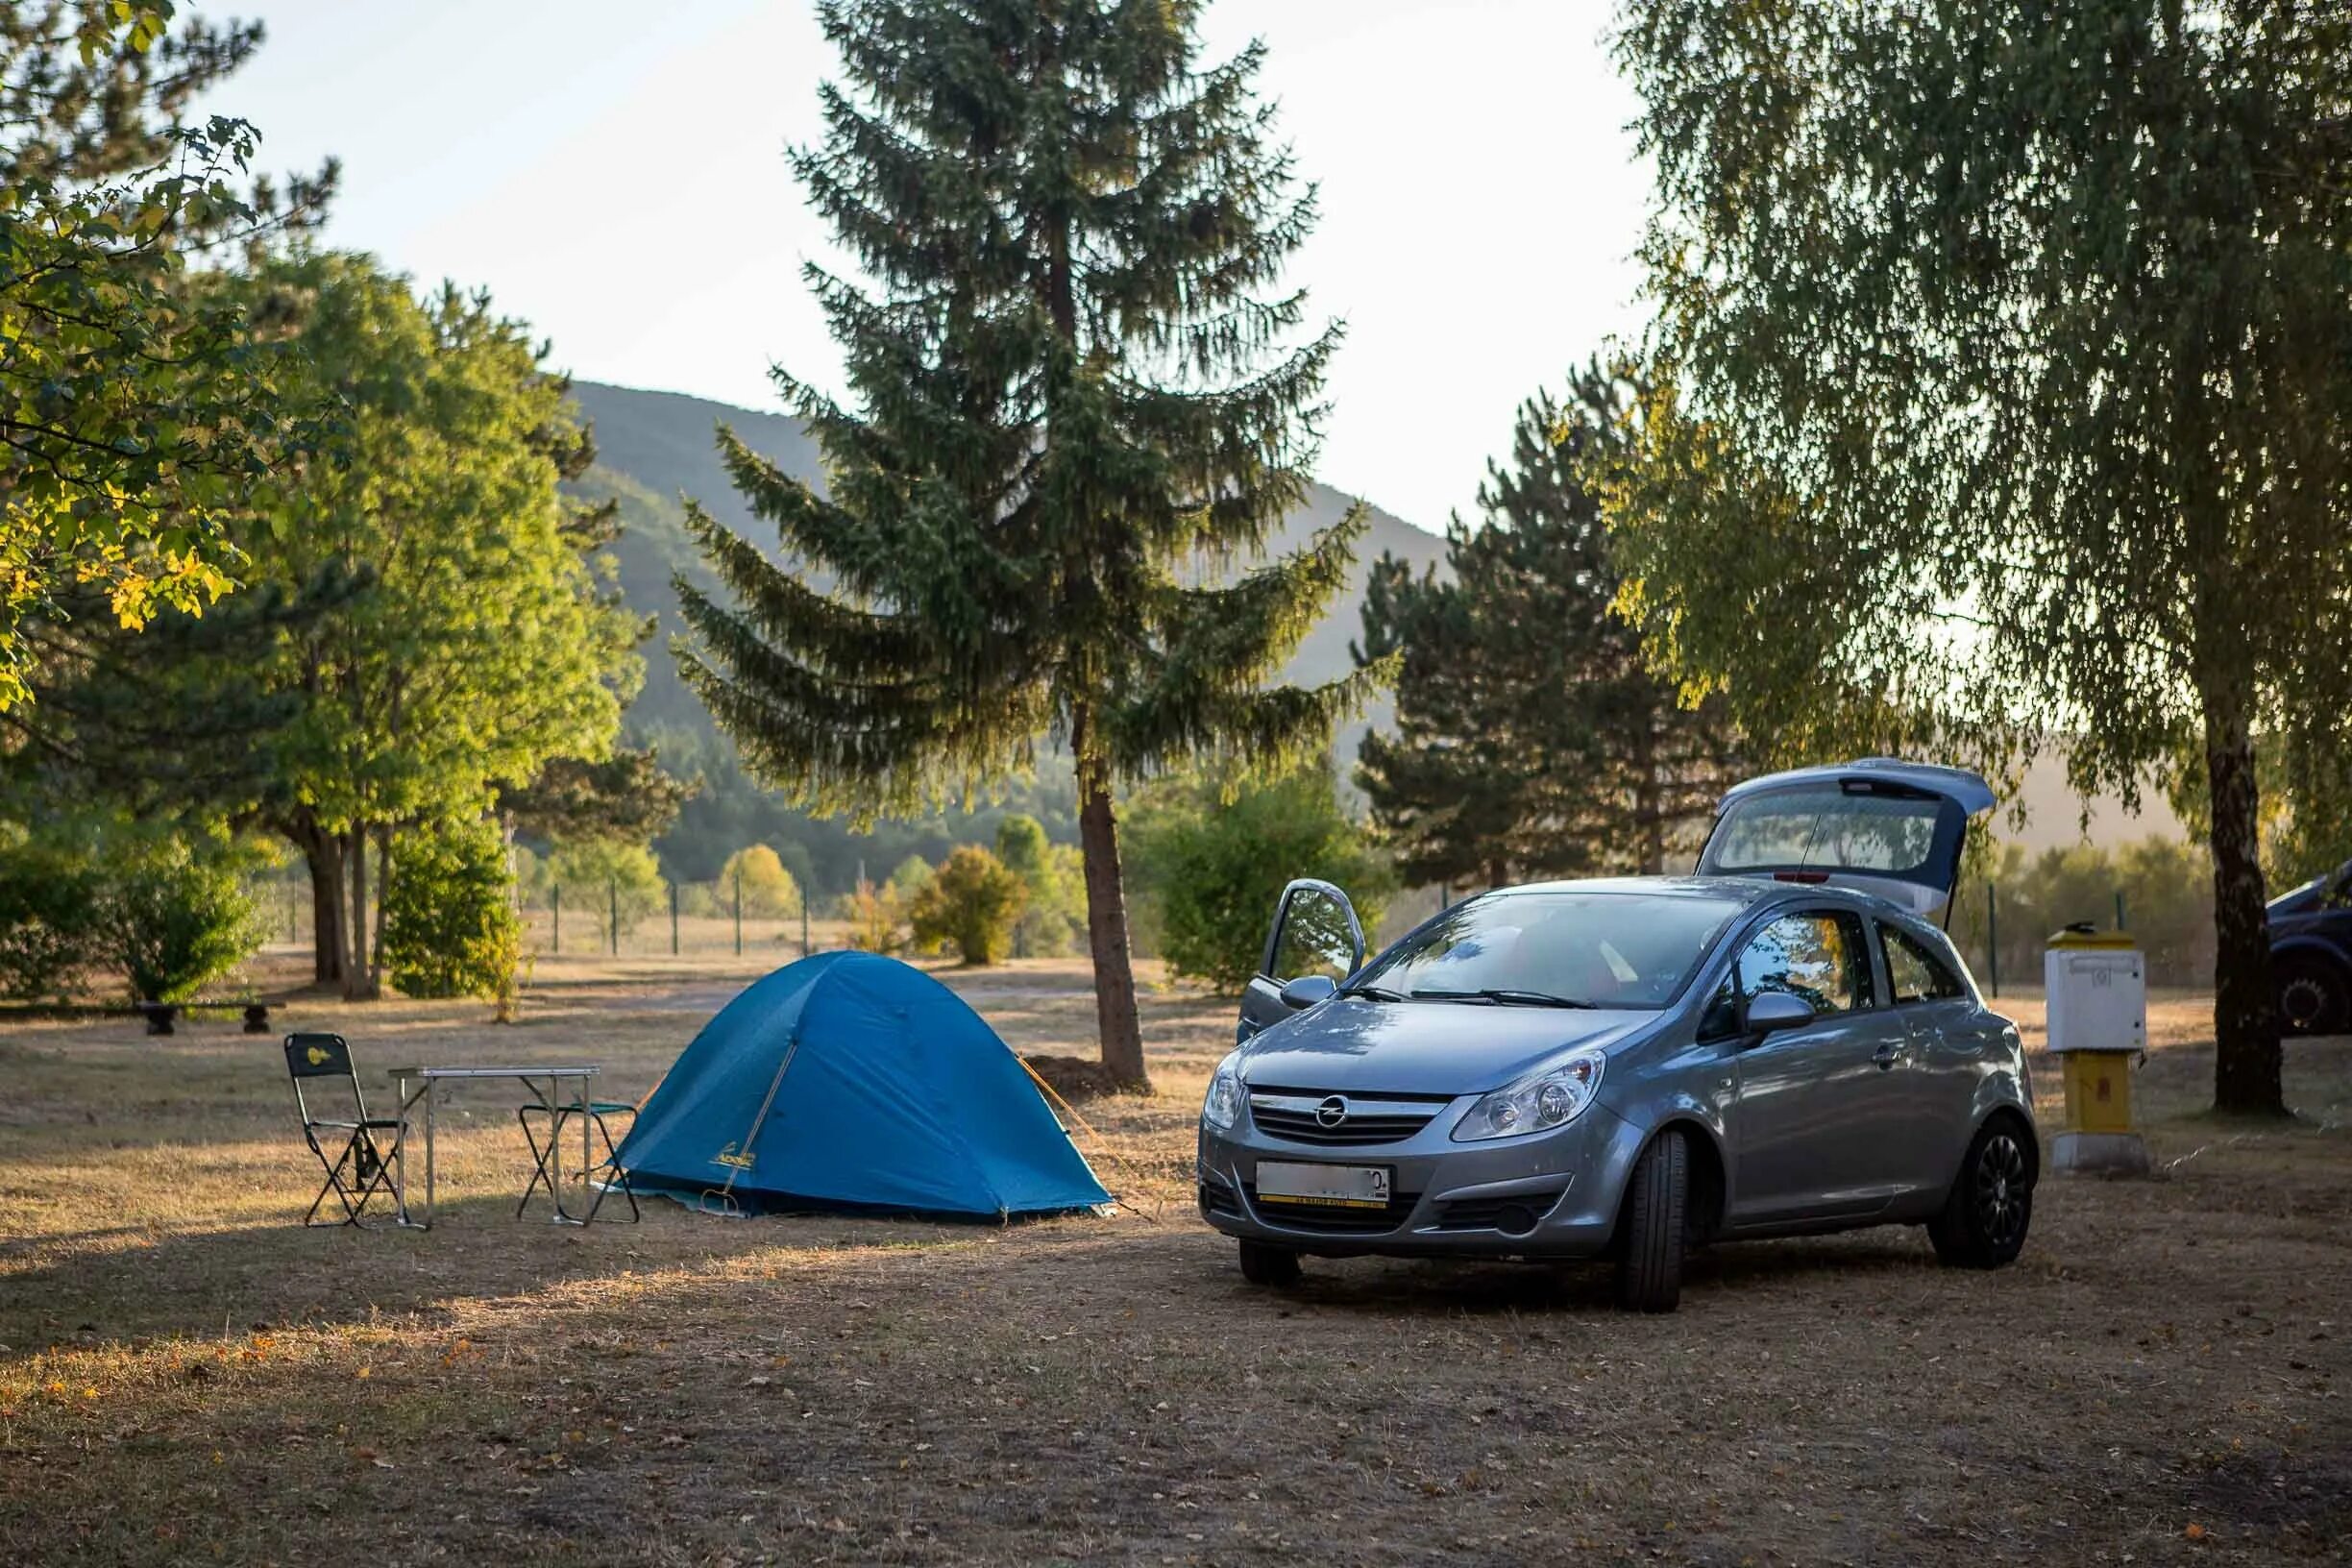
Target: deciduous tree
(2007, 358)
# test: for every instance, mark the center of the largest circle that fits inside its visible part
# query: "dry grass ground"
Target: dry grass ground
(184, 1375)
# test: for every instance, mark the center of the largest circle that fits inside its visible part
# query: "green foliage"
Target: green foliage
(876, 917)
(768, 890)
(625, 795)
(1076, 381)
(910, 876)
(177, 915)
(1215, 868)
(449, 920)
(972, 901)
(52, 912)
(140, 413)
(1530, 737)
(2166, 886)
(2021, 403)
(1053, 916)
(601, 877)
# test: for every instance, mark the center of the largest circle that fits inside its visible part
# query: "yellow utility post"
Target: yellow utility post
(2096, 985)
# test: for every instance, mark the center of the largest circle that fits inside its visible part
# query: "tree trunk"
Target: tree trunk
(383, 885)
(1649, 804)
(357, 986)
(1114, 989)
(2246, 1005)
(324, 857)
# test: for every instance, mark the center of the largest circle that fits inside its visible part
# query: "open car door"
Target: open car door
(1314, 932)
(1878, 824)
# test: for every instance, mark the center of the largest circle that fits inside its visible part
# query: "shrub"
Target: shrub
(875, 917)
(2166, 886)
(449, 922)
(1055, 874)
(600, 878)
(1213, 868)
(909, 877)
(972, 901)
(177, 915)
(768, 890)
(51, 916)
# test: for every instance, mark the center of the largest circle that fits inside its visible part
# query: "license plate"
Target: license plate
(1333, 1187)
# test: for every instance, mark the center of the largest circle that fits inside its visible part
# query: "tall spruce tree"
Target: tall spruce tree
(1078, 397)
(1531, 737)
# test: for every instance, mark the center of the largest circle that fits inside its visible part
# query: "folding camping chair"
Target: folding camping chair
(604, 1176)
(362, 1167)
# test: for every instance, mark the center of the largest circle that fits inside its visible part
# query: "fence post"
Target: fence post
(673, 947)
(612, 921)
(2119, 908)
(1993, 934)
(739, 909)
(804, 946)
(556, 906)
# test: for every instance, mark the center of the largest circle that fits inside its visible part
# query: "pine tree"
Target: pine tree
(1077, 403)
(1530, 737)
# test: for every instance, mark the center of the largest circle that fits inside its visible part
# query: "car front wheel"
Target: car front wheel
(1277, 1267)
(2313, 997)
(1984, 1220)
(1650, 1269)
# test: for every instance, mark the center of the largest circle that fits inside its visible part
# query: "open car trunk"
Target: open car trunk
(1877, 824)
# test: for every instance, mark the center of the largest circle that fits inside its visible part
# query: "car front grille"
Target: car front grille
(1216, 1199)
(1300, 1116)
(1327, 1219)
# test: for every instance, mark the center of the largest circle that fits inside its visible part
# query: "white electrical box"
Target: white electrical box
(2096, 986)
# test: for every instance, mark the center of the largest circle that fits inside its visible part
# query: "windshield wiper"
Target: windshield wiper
(1510, 997)
(1502, 996)
(1376, 993)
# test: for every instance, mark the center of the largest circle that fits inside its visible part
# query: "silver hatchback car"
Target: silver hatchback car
(1783, 1043)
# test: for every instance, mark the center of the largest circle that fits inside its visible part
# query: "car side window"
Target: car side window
(1821, 957)
(2339, 897)
(1915, 973)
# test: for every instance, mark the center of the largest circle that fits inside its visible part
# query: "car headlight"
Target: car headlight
(1223, 1105)
(1553, 1098)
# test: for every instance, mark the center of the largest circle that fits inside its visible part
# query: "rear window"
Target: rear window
(1832, 828)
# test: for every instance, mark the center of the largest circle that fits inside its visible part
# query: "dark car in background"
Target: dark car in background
(2310, 954)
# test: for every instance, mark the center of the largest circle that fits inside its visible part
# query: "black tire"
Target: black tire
(1263, 1263)
(1650, 1264)
(2313, 995)
(1985, 1220)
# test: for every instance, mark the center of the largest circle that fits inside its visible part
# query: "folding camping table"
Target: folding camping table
(427, 1079)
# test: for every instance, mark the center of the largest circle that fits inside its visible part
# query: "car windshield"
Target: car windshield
(1597, 950)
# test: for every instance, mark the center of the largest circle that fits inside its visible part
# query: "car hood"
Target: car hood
(1370, 1047)
(2301, 901)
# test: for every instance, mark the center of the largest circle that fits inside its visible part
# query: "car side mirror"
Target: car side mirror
(1774, 1011)
(1307, 991)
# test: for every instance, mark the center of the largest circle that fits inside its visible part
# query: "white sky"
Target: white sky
(612, 171)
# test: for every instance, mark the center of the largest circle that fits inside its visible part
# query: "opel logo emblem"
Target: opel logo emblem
(1332, 1112)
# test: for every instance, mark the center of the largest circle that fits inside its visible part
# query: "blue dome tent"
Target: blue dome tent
(853, 1081)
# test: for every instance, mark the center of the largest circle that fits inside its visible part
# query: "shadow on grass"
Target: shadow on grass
(1391, 1287)
(98, 1290)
